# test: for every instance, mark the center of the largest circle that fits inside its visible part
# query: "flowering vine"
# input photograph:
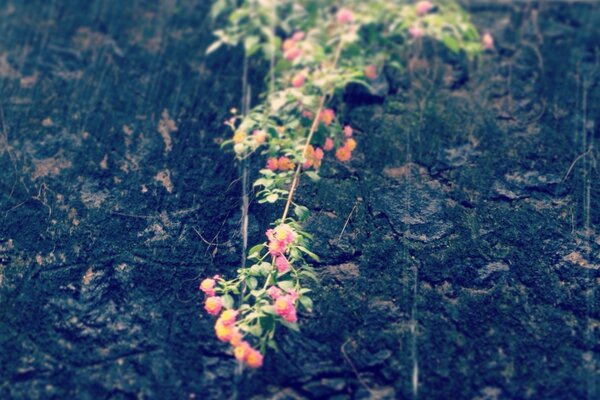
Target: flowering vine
(315, 48)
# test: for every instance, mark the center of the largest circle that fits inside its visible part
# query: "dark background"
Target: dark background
(470, 256)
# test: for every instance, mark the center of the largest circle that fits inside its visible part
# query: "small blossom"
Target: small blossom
(288, 44)
(236, 337)
(213, 305)
(298, 36)
(348, 131)
(328, 146)
(276, 248)
(283, 305)
(319, 154)
(239, 137)
(207, 286)
(351, 144)
(298, 80)
(274, 292)
(423, 7)
(328, 116)
(223, 332)
(283, 233)
(254, 359)
(307, 114)
(292, 53)
(371, 72)
(415, 32)
(293, 295)
(272, 164)
(282, 264)
(259, 136)
(285, 164)
(228, 317)
(242, 351)
(292, 316)
(487, 41)
(345, 16)
(343, 154)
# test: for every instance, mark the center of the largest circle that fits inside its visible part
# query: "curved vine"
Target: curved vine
(315, 49)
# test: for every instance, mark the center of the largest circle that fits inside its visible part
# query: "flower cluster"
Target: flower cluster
(313, 57)
(225, 326)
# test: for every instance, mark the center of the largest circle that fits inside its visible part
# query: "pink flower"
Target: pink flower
(293, 295)
(207, 286)
(488, 41)
(276, 248)
(415, 31)
(291, 316)
(307, 114)
(328, 144)
(274, 292)
(282, 264)
(292, 54)
(228, 317)
(371, 72)
(298, 80)
(284, 233)
(319, 154)
(284, 307)
(213, 305)
(423, 7)
(260, 136)
(272, 164)
(254, 359)
(298, 36)
(348, 131)
(242, 351)
(345, 16)
(288, 44)
(328, 116)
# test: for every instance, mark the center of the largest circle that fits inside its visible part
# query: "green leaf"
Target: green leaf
(269, 310)
(301, 212)
(272, 344)
(213, 47)
(252, 282)
(306, 302)
(308, 253)
(255, 250)
(310, 275)
(291, 325)
(286, 285)
(272, 198)
(227, 301)
(451, 43)
(312, 175)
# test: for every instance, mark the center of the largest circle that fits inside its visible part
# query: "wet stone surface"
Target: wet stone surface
(460, 248)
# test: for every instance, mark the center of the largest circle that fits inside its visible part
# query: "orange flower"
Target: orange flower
(272, 164)
(213, 305)
(236, 337)
(351, 144)
(298, 80)
(488, 41)
(207, 286)
(371, 72)
(224, 332)
(228, 317)
(242, 351)
(259, 136)
(328, 116)
(328, 144)
(254, 359)
(239, 137)
(285, 164)
(343, 154)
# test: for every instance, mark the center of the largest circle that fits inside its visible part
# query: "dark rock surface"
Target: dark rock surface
(460, 248)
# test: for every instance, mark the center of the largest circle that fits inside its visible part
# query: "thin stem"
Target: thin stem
(313, 128)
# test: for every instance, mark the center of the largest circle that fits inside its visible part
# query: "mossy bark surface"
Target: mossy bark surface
(460, 247)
